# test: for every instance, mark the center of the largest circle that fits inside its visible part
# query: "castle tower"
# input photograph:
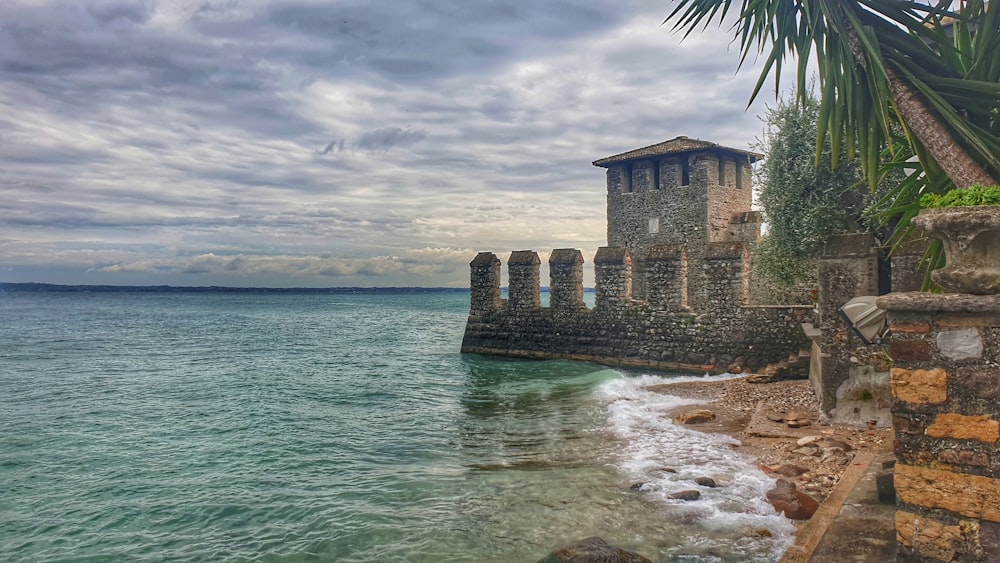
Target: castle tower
(679, 192)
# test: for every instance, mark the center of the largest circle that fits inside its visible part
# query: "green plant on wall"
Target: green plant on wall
(967, 197)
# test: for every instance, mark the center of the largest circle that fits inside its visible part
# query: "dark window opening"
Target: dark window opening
(685, 171)
(722, 171)
(628, 179)
(739, 175)
(656, 175)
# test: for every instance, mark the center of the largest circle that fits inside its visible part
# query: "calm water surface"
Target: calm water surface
(342, 427)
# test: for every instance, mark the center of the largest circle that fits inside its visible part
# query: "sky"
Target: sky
(333, 143)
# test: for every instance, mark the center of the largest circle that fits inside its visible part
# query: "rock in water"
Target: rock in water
(593, 550)
(784, 497)
(706, 482)
(696, 416)
(686, 495)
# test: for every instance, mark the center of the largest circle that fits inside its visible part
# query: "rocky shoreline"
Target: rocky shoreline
(780, 425)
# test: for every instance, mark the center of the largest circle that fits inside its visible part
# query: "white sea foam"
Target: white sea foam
(652, 442)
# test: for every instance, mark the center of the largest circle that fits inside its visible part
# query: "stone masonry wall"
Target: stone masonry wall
(651, 203)
(643, 213)
(621, 330)
(946, 416)
(847, 269)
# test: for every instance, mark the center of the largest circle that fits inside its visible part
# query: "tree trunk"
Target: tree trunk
(927, 127)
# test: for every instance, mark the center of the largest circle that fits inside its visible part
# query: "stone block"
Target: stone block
(849, 246)
(960, 344)
(989, 539)
(961, 427)
(920, 386)
(926, 536)
(963, 457)
(967, 320)
(910, 350)
(616, 255)
(982, 382)
(911, 425)
(523, 257)
(974, 496)
(910, 327)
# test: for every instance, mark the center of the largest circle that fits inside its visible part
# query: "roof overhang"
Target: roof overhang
(675, 146)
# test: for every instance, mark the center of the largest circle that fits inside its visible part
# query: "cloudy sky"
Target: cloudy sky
(332, 142)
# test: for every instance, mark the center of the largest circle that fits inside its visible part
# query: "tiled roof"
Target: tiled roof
(677, 145)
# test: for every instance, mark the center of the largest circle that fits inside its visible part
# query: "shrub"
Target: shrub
(966, 197)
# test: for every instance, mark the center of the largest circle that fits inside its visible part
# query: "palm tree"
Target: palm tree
(898, 79)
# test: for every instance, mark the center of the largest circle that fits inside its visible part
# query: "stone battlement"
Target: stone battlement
(658, 331)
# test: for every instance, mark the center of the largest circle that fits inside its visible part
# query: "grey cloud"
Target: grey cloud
(129, 11)
(385, 139)
(334, 144)
(429, 261)
(378, 140)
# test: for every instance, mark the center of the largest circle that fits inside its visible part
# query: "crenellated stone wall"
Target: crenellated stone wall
(672, 286)
(620, 330)
(946, 416)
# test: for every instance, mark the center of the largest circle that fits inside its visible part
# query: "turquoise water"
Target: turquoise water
(236, 427)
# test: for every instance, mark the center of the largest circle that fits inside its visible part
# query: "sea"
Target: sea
(341, 426)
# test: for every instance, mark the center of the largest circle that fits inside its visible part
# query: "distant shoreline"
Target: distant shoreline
(32, 287)
(57, 288)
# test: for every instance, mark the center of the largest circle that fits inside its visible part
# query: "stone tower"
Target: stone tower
(681, 194)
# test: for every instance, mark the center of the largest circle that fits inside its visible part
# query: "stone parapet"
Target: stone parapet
(946, 415)
(484, 284)
(566, 279)
(523, 286)
(621, 330)
(612, 277)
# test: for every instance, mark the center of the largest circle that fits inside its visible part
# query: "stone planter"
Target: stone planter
(971, 237)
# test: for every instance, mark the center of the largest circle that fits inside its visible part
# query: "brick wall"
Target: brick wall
(946, 415)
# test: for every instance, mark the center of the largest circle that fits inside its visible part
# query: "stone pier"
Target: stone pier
(946, 416)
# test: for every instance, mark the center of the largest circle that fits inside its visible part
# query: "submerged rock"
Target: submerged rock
(696, 416)
(784, 497)
(686, 495)
(593, 550)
